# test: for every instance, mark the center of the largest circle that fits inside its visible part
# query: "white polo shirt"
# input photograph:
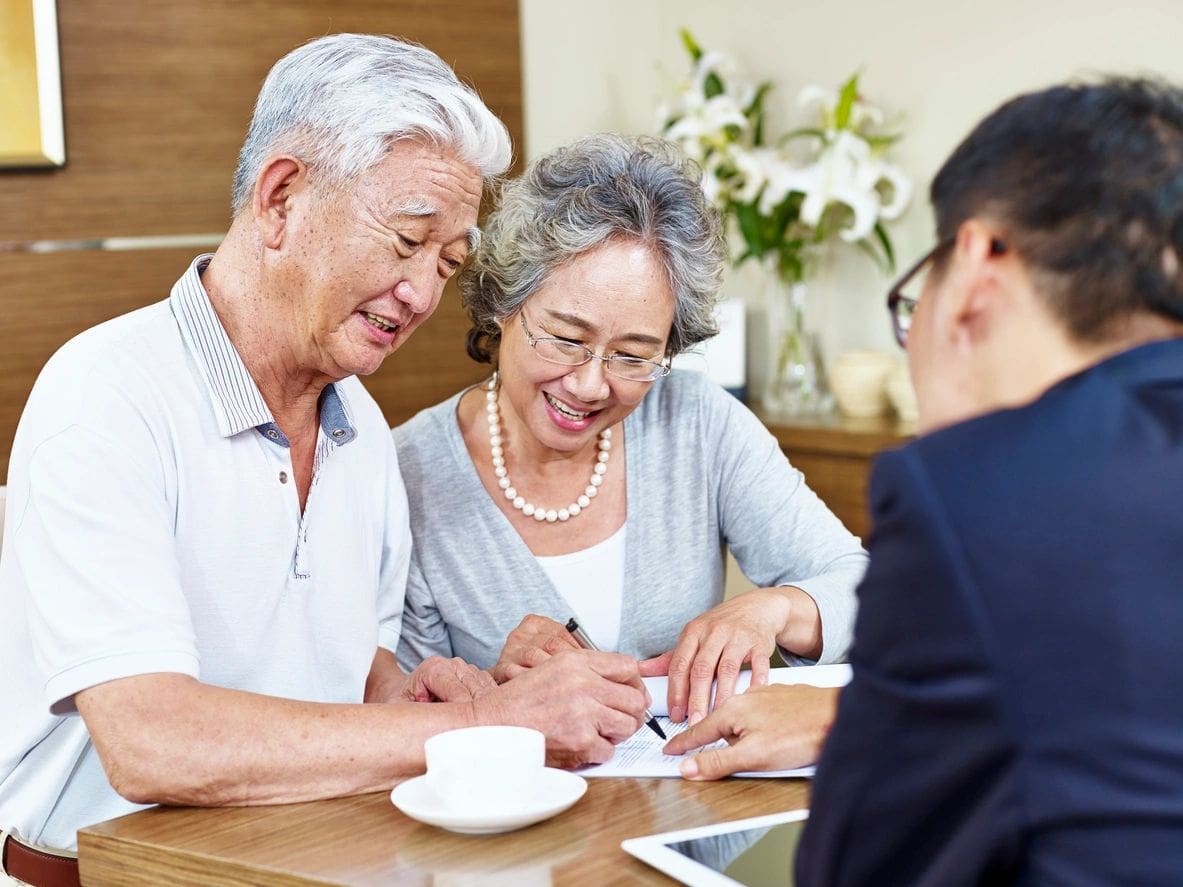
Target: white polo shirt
(153, 525)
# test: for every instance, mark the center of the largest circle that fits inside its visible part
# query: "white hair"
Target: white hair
(339, 102)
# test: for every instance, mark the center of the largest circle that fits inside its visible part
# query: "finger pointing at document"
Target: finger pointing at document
(714, 647)
(777, 727)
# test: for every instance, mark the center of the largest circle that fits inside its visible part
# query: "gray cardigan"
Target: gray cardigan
(703, 475)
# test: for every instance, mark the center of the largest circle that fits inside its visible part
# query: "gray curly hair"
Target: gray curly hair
(599, 188)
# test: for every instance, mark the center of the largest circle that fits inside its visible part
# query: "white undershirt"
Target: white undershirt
(592, 582)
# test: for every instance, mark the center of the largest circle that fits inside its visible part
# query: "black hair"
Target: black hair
(1086, 183)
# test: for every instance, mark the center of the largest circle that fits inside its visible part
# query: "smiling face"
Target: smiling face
(613, 299)
(363, 267)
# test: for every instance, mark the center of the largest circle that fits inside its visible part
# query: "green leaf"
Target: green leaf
(846, 101)
(790, 265)
(756, 105)
(691, 44)
(865, 246)
(744, 256)
(885, 242)
(748, 218)
(785, 213)
(755, 113)
(712, 86)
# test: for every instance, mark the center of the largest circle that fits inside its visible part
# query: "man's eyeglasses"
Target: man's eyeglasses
(904, 296)
(573, 354)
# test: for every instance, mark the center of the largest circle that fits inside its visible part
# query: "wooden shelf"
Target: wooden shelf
(835, 453)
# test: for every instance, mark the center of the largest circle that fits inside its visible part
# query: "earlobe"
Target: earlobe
(275, 189)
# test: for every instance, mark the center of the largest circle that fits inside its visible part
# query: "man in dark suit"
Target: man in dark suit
(1016, 710)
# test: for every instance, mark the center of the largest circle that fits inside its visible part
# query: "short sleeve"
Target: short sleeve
(95, 546)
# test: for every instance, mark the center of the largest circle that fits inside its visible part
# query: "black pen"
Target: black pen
(584, 641)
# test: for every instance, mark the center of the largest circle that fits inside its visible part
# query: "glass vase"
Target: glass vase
(797, 381)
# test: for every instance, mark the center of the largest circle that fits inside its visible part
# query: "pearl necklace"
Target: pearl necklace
(550, 515)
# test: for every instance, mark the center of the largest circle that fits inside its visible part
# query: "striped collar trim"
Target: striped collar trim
(237, 401)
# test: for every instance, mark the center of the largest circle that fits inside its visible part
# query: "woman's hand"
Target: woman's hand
(713, 647)
(535, 640)
(437, 679)
(768, 728)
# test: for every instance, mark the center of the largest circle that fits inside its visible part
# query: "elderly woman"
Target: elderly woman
(584, 477)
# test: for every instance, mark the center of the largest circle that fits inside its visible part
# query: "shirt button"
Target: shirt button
(273, 434)
(283, 477)
(338, 432)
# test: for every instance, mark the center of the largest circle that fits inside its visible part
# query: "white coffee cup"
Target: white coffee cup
(485, 769)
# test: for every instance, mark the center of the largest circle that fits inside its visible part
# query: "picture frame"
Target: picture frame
(33, 134)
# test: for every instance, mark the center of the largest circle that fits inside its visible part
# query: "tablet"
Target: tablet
(751, 852)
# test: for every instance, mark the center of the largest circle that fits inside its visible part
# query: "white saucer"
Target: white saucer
(557, 790)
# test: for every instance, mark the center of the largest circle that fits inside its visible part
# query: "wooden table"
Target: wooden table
(365, 840)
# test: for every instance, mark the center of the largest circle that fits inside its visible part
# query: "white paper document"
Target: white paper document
(641, 754)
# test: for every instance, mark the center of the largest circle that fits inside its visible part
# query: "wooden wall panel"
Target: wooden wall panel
(157, 99)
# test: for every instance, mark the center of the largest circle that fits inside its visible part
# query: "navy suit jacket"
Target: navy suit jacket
(1016, 710)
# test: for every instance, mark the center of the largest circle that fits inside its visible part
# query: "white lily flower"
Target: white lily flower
(854, 177)
(823, 102)
(815, 99)
(838, 168)
(692, 148)
(901, 191)
(742, 93)
(717, 63)
(837, 176)
(864, 114)
(709, 121)
(712, 185)
(784, 179)
(754, 169)
(691, 99)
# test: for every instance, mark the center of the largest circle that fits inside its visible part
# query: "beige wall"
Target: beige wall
(943, 63)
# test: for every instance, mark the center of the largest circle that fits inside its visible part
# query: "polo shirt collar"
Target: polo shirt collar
(238, 404)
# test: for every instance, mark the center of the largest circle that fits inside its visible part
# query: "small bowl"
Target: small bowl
(901, 393)
(858, 380)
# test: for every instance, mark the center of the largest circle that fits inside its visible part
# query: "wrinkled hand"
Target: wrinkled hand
(535, 640)
(768, 728)
(584, 701)
(716, 645)
(446, 680)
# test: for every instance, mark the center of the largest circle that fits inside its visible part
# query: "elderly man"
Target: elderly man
(1015, 714)
(208, 541)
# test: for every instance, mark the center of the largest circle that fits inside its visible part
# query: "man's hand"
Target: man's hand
(584, 701)
(534, 641)
(716, 645)
(768, 728)
(446, 680)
